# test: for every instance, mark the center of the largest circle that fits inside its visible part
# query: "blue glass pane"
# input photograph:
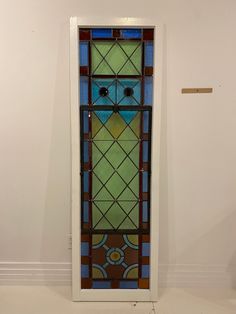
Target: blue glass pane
(128, 115)
(86, 211)
(148, 54)
(128, 285)
(145, 181)
(145, 121)
(145, 151)
(83, 56)
(101, 285)
(84, 271)
(103, 115)
(133, 84)
(84, 249)
(145, 211)
(146, 249)
(86, 181)
(85, 118)
(83, 90)
(86, 158)
(131, 33)
(145, 271)
(110, 85)
(102, 33)
(148, 90)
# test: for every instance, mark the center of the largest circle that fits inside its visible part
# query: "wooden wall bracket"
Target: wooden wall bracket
(196, 90)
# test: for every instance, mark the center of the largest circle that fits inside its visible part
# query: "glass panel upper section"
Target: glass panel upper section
(116, 58)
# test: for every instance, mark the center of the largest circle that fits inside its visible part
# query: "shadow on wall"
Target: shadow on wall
(56, 226)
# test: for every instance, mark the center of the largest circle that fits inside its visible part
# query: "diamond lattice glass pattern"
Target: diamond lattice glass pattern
(116, 67)
(119, 57)
(115, 191)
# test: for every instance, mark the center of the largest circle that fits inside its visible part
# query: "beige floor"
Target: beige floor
(50, 300)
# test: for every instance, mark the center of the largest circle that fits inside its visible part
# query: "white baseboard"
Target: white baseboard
(180, 275)
(35, 273)
(195, 275)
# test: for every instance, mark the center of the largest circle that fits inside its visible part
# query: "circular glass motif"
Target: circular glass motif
(128, 91)
(115, 256)
(103, 91)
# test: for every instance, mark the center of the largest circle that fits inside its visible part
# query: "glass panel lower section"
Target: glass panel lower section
(115, 168)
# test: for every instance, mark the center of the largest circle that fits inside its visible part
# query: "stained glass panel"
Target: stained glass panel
(116, 67)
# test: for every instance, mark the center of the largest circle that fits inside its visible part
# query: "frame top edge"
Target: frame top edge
(115, 22)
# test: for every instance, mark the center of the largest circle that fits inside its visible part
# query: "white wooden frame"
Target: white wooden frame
(114, 294)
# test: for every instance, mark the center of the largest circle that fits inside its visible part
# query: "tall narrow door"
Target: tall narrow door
(115, 101)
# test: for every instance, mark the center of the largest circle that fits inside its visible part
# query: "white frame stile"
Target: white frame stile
(79, 294)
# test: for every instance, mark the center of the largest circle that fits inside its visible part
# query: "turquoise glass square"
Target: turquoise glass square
(98, 85)
(132, 84)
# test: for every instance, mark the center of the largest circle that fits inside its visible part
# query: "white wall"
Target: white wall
(198, 169)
